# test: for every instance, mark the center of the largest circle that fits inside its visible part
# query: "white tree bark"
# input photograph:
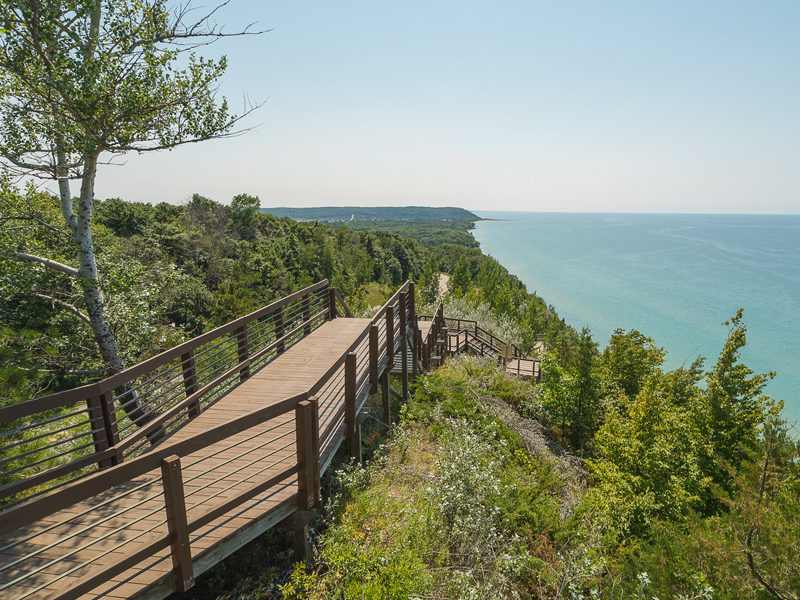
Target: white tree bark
(80, 223)
(92, 81)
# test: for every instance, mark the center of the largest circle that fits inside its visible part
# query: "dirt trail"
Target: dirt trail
(444, 283)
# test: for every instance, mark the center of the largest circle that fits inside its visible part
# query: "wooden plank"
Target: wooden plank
(41, 507)
(315, 357)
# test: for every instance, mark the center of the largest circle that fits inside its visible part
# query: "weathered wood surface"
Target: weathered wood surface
(465, 339)
(54, 553)
(424, 328)
(524, 367)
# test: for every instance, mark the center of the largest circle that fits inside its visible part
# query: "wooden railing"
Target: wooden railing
(252, 342)
(50, 441)
(480, 334)
(437, 330)
(169, 459)
(524, 367)
(465, 333)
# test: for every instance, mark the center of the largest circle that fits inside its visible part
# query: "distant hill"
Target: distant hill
(384, 213)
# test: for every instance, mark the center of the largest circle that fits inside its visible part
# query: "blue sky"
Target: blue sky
(601, 106)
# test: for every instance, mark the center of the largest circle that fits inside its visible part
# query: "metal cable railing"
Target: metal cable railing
(255, 457)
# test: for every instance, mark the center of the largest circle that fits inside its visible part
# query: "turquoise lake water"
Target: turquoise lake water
(675, 278)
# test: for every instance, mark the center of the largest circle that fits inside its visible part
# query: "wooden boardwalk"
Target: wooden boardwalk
(132, 486)
(53, 553)
(484, 344)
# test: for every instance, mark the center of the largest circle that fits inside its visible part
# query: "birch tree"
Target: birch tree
(84, 81)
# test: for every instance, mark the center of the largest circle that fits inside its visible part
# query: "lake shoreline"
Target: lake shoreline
(674, 278)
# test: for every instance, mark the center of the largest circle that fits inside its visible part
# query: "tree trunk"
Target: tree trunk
(81, 225)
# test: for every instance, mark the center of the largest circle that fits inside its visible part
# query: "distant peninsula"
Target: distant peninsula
(343, 214)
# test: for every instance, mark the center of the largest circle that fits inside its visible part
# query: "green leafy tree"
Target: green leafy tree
(750, 550)
(461, 280)
(763, 522)
(429, 281)
(80, 80)
(558, 393)
(629, 360)
(648, 464)
(587, 390)
(245, 215)
(734, 407)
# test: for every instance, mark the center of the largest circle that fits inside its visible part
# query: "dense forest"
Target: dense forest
(611, 478)
(169, 272)
(427, 225)
(355, 214)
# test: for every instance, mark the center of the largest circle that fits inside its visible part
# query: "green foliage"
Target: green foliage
(668, 447)
(166, 273)
(102, 76)
(428, 233)
(461, 280)
(559, 389)
(733, 407)
(429, 281)
(629, 360)
(747, 552)
(244, 215)
(341, 214)
(649, 465)
(448, 507)
(587, 391)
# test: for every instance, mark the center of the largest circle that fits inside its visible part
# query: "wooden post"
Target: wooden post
(315, 470)
(279, 331)
(104, 430)
(386, 399)
(373, 359)
(112, 431)
(332, 314)
(352, 428)
(306, 315)
(304, 417)
(432, 337)
(243, 350)
(424, 349)
(390, 336)
(176, 523)
(190, 381)
(411, 318)
(411, 305)
(415, 337)
(403, 344)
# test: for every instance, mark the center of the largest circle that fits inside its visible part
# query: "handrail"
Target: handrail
(342, 304)
(391, 302)
(426, 344)
(477, 329)
(60, 399)
(122, 416)
(367, 358)
(38, 508)
(469, 336)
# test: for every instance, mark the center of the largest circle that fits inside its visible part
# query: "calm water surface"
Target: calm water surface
(675, 278)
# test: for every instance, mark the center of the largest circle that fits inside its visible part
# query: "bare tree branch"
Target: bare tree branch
(38, 222)
(61, 304)
(48, 263)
